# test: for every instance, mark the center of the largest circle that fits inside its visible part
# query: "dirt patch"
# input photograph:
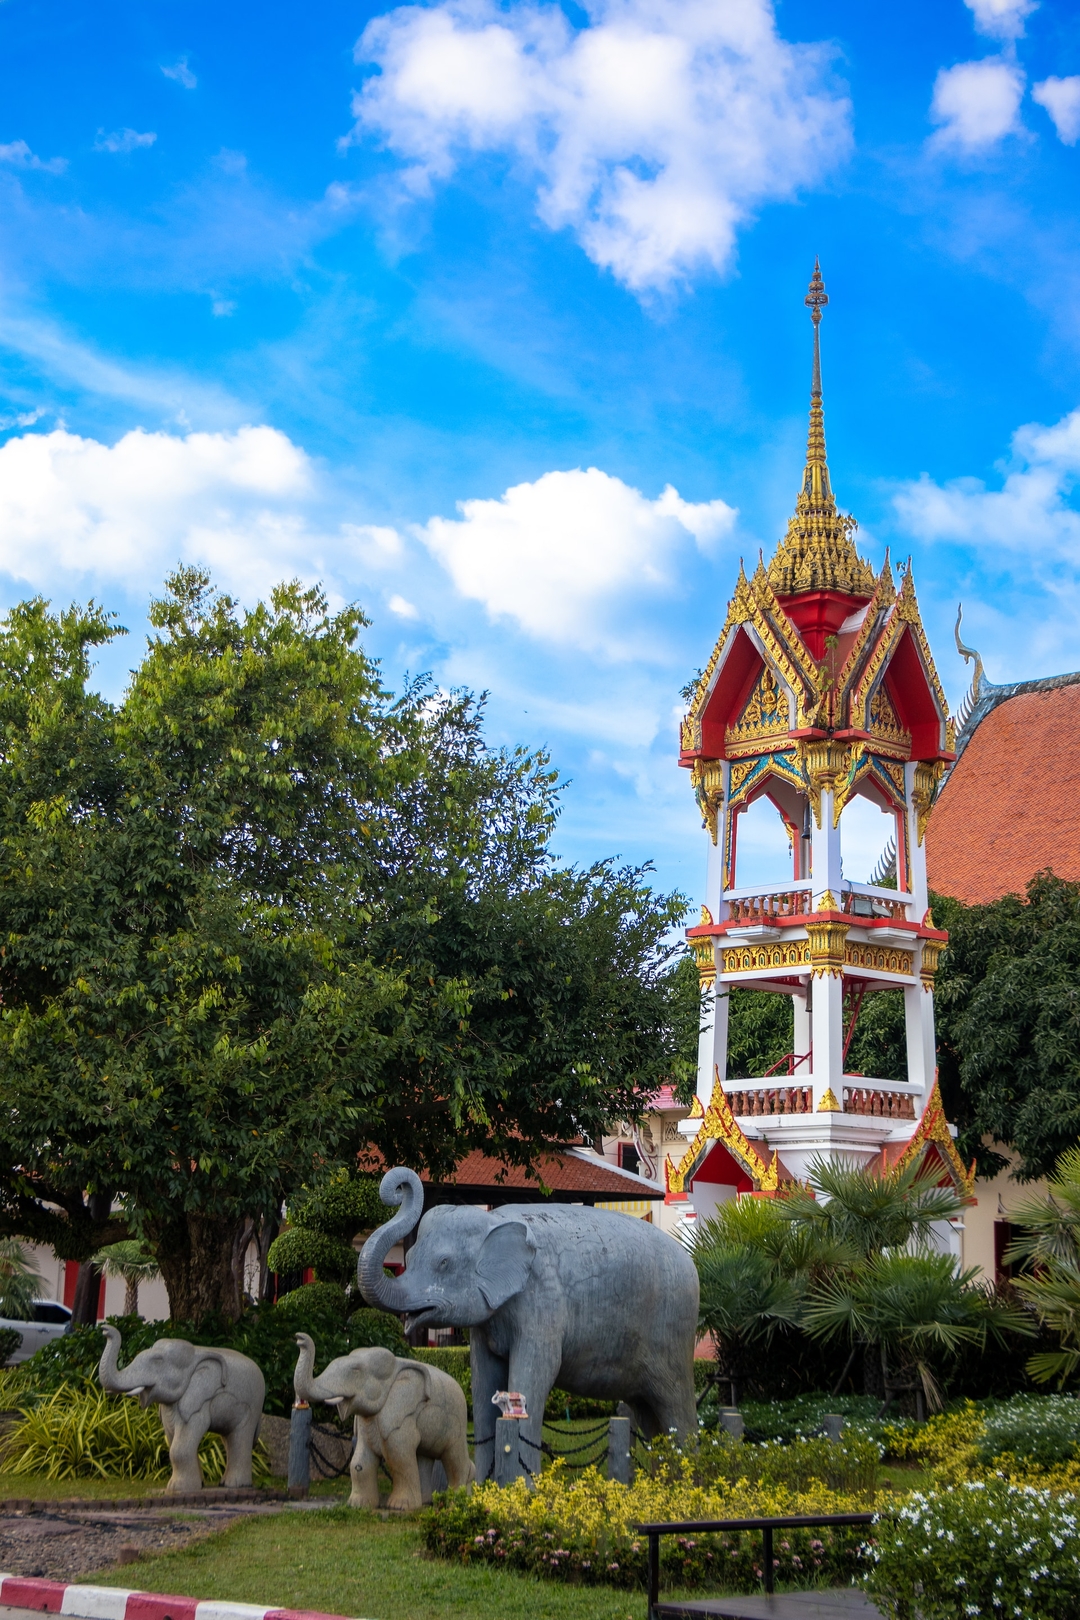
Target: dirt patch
(66, 1546)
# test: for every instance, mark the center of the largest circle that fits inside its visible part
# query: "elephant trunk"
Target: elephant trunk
(109, 1375)
(306, 1386)
(399, 1186)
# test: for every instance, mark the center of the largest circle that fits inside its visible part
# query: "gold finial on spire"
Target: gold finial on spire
(817, 553)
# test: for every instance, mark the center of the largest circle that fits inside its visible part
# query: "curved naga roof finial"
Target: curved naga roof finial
(969, 655)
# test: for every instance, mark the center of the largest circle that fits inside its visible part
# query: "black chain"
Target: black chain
(328, 1470)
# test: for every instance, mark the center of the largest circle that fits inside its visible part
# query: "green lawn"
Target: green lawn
(355, 1563)
(39, 1489)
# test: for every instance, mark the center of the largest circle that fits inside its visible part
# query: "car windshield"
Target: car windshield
(46, 1310)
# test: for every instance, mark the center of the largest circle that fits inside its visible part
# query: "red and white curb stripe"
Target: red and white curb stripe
(113, 1603)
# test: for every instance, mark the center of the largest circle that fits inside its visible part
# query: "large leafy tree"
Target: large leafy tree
(261, 915)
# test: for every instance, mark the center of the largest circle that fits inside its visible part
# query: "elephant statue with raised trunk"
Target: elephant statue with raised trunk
(604, 1305)
(198, 1391)
(405, 1413)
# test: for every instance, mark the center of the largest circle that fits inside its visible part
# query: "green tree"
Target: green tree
(262, 915)
(133, 1263)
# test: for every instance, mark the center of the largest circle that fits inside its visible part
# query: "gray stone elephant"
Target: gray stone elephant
(405, 1413)
(601, 1304)
(198, 1391)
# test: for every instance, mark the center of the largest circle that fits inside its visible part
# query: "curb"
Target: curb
(113, 1603)
(210, 1497)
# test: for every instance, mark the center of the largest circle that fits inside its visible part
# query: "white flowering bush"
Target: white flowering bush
(1042, 1429)
(985, 1549)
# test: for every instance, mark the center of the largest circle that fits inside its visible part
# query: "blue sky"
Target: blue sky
(490, 316)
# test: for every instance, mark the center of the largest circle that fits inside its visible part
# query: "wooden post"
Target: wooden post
(619, 1466)
(732, 1422)
(299, 1449)
(508, 1464)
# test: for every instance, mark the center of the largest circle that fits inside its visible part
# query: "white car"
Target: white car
(50, 1320)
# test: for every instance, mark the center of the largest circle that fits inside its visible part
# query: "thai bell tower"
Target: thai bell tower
(821, 689)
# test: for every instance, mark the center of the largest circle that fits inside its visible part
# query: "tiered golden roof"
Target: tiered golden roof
(817, 553)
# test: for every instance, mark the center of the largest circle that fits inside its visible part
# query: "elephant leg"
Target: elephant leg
(533, 1373)
(363, 1471)
(238, 1447)
(184, 1452)
(399, 1454)
(675, 1409)
(457, 1463)
(489, 1373)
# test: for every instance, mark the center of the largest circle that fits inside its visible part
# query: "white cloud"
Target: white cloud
(129, 512)
(123, 140)
(181, 73)
(19, 155)
(223, 308)
(653, 132)
(561, 555)
(402, 607)
(1061, 98)
(1001, 19)
(1029, 515)
(977, 103)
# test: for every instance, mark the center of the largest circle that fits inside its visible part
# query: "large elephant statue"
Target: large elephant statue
(405, 1413)
(198, 1391)
(601, 1304)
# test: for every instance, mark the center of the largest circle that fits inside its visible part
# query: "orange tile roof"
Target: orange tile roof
(1009, 807)
(578, 1173)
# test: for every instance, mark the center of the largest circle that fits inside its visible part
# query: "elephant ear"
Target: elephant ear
(206, 1380)
(506, 1258)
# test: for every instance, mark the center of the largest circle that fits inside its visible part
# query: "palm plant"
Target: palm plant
(754, 1269)
(20, 1284)
(1049, 1244)
(916, 1309)
(869, 1212)
(132, 1261)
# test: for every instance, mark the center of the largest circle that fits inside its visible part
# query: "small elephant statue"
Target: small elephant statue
(198, 1391)
(409, 1415)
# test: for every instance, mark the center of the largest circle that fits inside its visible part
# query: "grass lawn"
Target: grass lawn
(39, 1489)
(355, 1563)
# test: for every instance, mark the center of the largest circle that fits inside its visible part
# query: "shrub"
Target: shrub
(373, 1327)
(315, 1299)
(300, 1247)
(986, 1548)
(451, 1358)
(717, 1461)
(1043, 1429)
(80, 1434)
(10, 1340)
(582, 1529)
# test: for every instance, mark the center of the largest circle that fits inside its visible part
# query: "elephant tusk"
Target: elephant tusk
(335, 1400)
(136, 1391)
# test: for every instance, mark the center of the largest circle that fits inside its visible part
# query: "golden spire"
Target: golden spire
(817, 553)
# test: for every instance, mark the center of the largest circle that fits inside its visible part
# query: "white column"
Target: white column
(827, 993)
(827, 1033)
(800, 1034)
(919, 1030)
(825, 852)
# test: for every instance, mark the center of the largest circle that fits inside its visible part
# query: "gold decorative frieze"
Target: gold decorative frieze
(720, 1125)
(707, 780)
(885, 722)
(765, 713)
(826, 936)
(924, 791)
(825, 763)
(931, 956)
(933, 1131)
(880, 958)
(705, 957)
(766, 958)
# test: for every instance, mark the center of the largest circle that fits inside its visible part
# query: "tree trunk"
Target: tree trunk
(131, 1296)
(87, 1289)
(195, 1254)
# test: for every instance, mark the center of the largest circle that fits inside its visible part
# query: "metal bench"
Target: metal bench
(841, 1604)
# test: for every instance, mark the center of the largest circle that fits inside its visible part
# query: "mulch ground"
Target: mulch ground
(68, 1544)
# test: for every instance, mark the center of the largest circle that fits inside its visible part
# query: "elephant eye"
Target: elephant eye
(444, 1263)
